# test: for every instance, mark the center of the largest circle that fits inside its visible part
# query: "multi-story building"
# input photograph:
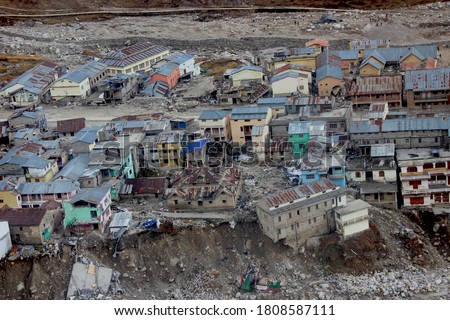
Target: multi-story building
(302, 212)
(215, 125)
(427, 89)
(138, 57)
(170, 146)
(425, 176)
(243, 119)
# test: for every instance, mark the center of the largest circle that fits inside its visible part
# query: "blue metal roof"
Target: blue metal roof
(182, 59)
(329, 71)
(364, 126)
(273, 100)
(242, 68)
(371, 62)
(247, 113)
(435, 79)
(36, 162)
(76, 76)
(289, 74)
(413, 52)
(377, 55)
(93, 68)
(346, 54)
(167, 69)
(52, 187)
(91, 195)
(213, 115)
(394, 54)
(299, 127)
(196, 145)
(74, 169)
(405, 124)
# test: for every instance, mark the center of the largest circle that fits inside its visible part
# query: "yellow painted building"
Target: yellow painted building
(73, 84)
(170, 146)
(243, 119)
(8, 194)
(38, 170)
(138, 57)
(328, 77)
(215, 124)
(246, 74)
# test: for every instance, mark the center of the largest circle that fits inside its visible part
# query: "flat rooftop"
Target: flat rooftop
(420, 154)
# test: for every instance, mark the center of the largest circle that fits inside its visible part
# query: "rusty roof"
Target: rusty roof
(133, 54)
(300, 192)
(71, 125)
(377, 84)
(22, 216)
(144, 186)
(205, 182)
(317, 41)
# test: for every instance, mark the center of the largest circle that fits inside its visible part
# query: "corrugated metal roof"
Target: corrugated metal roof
(52, 187)
(328, 58)
(91, 195)
(35, 79)
(121, 219)
(329, 71)
(377, 55)
(396, 53)
(22, 216)
(74, 169)
(368, 43)
(213, 115)
(70, 125)
(168, 69)
(37, 163)
(301, 51)
(9, 183)
(246, 67)
(299, 192)
(273, 100)
(404, 124)
(363, 126)
(382, 150)
(299, 127)
(377, 84)
(133, 54)
(182, 59)
(93, 68)
(246, 113)
(435, 79)
(414, 52)
(169, 137)
(285, 75)
(144, 186)
(371, 62)
(346, 54)
(75, 76)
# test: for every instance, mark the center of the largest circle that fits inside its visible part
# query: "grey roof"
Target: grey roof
(245, 67)
(415, 52)
(258, 130)
(299, 127)
(213, 115)
(402, 124)
(133, 54)
(247, 113)
(396, 53)
(353, 206)
(37, 163)
(182, 59)
(346, 54)
(274, 100)
(52, 187)
(74, 169)
(329, 71)
(435, 79)
(35, 79)
(92, 68)
(371, 62)
(76, 76)
(377, 55)
(90, 195)
(87, 134)
(290, 74)
(382, 150)
(167, 69)
(16, 156)
(373, 187)
(121, 219)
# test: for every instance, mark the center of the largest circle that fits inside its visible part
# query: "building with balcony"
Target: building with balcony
(170, 148)
(425, 176)
(35, 194)
(88, 210)
(215, 125)
(428, 89)
(243, 119)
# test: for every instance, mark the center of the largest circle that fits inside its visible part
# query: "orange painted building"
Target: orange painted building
(169, 73)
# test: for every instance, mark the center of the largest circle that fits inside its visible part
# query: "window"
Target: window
(428, 166)
(210, 201)
(411, 169)
(279, 219)
(242, 129)
(317, 206)
(175, 201)
(333, 125)
(315, 220)
(310, 176)
(332, 201)
(309, 209)
(381, 173)
(200, 203)
(298, 212)
(290, 215)
(224, 201)
(326, 204)
(440, 165)
(1, 201)
(358, 174)
(309, 221)
(93, 213)
(340, 199)
(292, 227)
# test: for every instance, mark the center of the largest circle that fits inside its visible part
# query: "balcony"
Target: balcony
(418, 190)
(408, 176)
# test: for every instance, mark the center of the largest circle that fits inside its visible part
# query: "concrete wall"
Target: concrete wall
(223, 126)
(389, 175)
(326, 85)
(238, 136)
(287, 86)
(178, 203)
(5, 239)
(11, 199)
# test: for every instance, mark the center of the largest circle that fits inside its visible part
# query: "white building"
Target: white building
(186, 63)
(72, 84)
(286, 84)
(5, 239)
(353, 218)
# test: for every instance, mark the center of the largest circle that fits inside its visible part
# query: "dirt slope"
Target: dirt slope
(96, 4)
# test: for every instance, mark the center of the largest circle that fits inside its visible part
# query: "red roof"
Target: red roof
(70, 125)
(22, 216)
(317, 41)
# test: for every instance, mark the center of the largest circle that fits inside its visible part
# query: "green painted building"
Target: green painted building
(298, 136)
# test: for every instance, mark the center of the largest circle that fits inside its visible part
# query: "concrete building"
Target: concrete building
(138, 57)
(352, 219)
(260, 141)
(302, 212)
(196, 153)
(5, 239)
(186, 63)
(215, 125)
(328, 78)
(424, 175)
(170, 145)
(35, 194)
(74, 85)
(205, 188)
(9, 195)
(349, 60)
(289, 83)
(246, 74)
(69, 127)
(32, 86)
(169, 73)
(298, 56)
(277, 105)
(365, 90)
(372, 65)
(88, 210)
(428, 89)
(287, 68)
(243, 119)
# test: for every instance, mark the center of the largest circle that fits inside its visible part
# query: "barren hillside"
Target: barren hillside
(53, 5)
